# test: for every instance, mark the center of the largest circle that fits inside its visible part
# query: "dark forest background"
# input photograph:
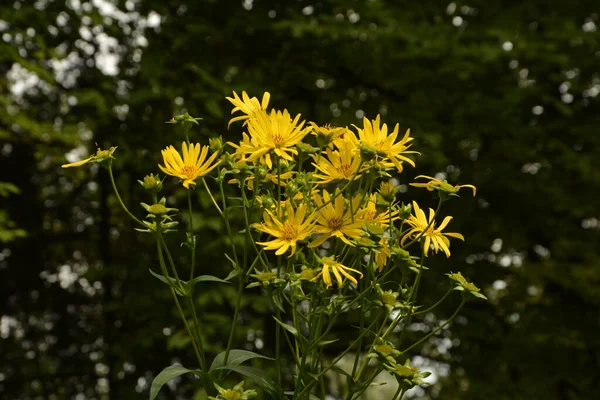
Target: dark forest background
(500, 94)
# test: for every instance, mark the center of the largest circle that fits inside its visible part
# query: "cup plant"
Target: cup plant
(325, 235)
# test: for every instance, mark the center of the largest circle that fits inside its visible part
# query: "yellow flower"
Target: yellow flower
(100, 156)
(275, 131)
(327, 134)
(382, 253)
(193, 165)
(438, 184)
(330, 265)
(369, 213)
(432, 235)
(341, 164)
(376, 137)
(335, 219)
(288, 230)
(249, 106)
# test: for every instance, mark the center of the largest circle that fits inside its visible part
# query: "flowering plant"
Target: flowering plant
(325, 235)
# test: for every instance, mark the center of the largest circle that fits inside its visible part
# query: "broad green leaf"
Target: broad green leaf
(236, 357)
(165, 376)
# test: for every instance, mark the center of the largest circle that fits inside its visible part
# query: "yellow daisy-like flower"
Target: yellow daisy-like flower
(334, 218)
(382, 253)
(327, 134)
(275, 132)
(249, 106)
(375, 136)
(433, 236)
(100, 156)
(329, 266)
(287, 229)
(340, 164)
(443, 185)
(193, 165)
(369, 213)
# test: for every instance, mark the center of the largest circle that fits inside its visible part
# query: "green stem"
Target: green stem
(338, 358)
(212, 198)
(198, 335)
(398, 393)
(193, 238)
(112, 181)
(435, 330)
(163, 267)
(235, 318)
(435, 305)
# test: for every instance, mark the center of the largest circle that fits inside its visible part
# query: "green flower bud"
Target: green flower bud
(157, 209)
(367, 153)
(151, 183)
(216, 144)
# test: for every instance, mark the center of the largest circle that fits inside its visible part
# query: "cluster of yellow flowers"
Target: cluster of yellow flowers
(315, 205)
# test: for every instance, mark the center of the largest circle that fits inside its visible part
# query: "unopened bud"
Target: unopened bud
(151, 183)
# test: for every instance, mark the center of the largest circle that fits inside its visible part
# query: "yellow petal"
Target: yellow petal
(78, 163)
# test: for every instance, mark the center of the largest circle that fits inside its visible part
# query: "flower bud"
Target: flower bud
(307, 274)
(157, 209)
(405, 211)
(261, 173)
(216, 144)
(305, 149)
(186, 120)
(367, 153)
(267, 202)
(291, 189)
(151, 183)
(388, 191)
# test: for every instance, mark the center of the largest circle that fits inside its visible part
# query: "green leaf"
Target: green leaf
(258, 375)
(287, 327)
(169, 281)
(233, 274)
(165, 376)
(236, 357)
(235, 266)
(189, 285)
(341, 371)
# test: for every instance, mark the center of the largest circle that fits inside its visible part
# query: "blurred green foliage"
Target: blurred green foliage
(499, 94)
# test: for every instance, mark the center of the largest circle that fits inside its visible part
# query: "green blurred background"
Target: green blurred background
(500, 94)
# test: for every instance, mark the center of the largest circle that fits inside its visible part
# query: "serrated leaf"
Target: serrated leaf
(236, 357)
(165, 376)
(287, 327)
